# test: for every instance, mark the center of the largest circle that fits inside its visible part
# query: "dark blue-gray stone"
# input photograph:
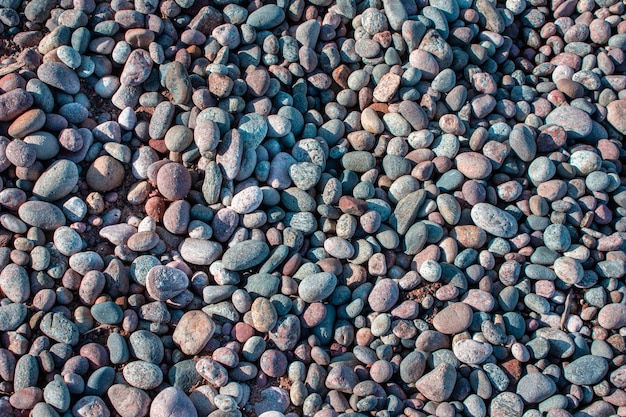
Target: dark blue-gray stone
(100, 381)
(107, 313)
(586, 370)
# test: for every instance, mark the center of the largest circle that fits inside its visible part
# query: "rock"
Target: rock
(576, 122)
(137, 68)
(173, 181)
(90, 406)
(200, 251)
(412, 367)
(286, 332)
(253, 129)
(317, 287)
(506, 404)
(129, 401)
(274, 399)
(21, 153)
(143, 375)
(612, 316)
(193, 332)
(561, 344)
(146, 346)
(11, 316)
(616, 115)
(57, 394)
(26, 398)
(58, 75)
(473, 165)
(535, 387)
(273, 363)
(384, 295)
(212, 372)
(14, 103)
(107, 313)
(14, 283)
(341, 378)
(164, 282)
(266, 17)
(494, 220)
(406, 211)
(247, 200)
(438, 384)
(105, 174)
(58, 327)
(264, 315)
(172, 402)
(245, 255)
(453, 319)
(586, 370)
(177, 82)
(472, 352)
(57, 181)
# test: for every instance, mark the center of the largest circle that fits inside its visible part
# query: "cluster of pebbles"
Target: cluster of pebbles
(312, 208)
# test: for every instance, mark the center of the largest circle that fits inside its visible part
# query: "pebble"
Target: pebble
(57, 181)
(173, 181)
(473, 165)
(105, 174)
(438, 384)
(266, 17)
(494, 220)
(143, 375)
(315, 188)
(59, 328)
(453, 319)
(384, 295)
(535, 387)
(107, 313)
(245, 255)
(193, 332)
(200, 251)
(164, 282)
(577, 123)
(58, 75)
(13, 103)
(172, 401)
(615, 115)
(586, 370)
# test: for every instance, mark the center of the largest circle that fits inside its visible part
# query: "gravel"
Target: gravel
(324, 209)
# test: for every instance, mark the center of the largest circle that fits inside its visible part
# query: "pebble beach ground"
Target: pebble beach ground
(314, 208)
